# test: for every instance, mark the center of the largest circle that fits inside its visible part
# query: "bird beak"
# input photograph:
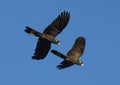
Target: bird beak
(58, 43)
(82, 64)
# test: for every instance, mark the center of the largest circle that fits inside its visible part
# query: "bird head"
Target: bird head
(81, 63)
(55, 41)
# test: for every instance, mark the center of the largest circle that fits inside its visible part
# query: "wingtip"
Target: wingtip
(81, 37)
(67, 13)
(26, 27)
(36, 58)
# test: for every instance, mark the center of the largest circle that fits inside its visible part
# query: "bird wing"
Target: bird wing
(78, 48)
(64, 64)
(42, 48)
(58, 24)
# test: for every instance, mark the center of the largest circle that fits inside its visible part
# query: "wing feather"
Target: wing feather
(58, 24)
(64, 64)
(42, 49)
(78, 48)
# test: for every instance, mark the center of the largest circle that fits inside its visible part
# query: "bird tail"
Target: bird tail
(58, 54)
(32, 32)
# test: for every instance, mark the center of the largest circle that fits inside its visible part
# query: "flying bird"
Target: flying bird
(73, 54)
(48, 36)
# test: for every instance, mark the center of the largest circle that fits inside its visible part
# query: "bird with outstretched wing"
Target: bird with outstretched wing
(48, 36)
(73, 54)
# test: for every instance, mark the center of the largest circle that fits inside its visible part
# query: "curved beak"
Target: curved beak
(58, 43)
(82, 64)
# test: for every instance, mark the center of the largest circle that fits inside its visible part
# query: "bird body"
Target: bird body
(42, 35)
(73, 54)
(48, 36)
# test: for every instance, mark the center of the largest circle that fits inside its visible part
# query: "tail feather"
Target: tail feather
(32, 32)
(58, 54)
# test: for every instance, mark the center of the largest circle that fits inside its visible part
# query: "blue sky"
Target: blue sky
(97, 20)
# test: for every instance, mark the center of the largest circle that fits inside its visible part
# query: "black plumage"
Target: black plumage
(48, 36)
(73, 54)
